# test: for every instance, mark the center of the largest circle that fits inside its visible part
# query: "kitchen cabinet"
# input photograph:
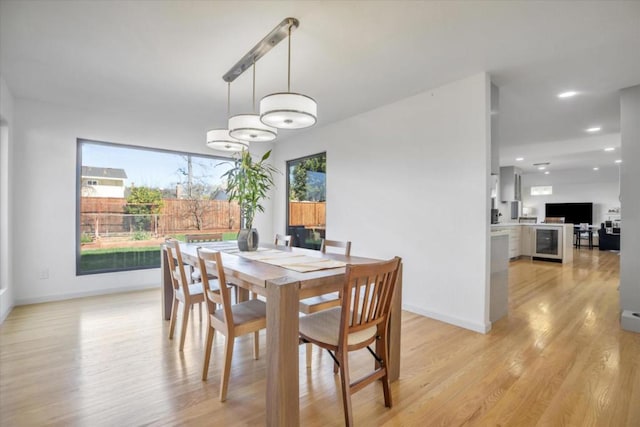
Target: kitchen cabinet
(527, 236)
(499, 286)
(510, 184)
(514, 238)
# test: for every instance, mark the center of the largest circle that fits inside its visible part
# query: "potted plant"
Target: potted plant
(248, 183)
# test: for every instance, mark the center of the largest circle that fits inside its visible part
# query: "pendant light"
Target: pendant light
(248, 127)
(219, 139)
(288, 110)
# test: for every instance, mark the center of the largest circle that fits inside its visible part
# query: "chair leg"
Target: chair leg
(226, 366)
(346, 388)
(309, 353)
(256, 345)
(384, 355)
(174, 314)
(185, 320)
(207, 353)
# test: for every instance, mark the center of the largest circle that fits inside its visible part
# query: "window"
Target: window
(306, 204)
(131, 198)
(541, 190)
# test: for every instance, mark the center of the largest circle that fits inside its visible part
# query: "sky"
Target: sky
(151, 168)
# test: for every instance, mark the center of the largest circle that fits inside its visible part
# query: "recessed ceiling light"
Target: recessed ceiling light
(618, 161)
(596, 168)
(547, 172)
(594, 129)
(609, 149)
(541, 168)
(567, 94)
(519, 159)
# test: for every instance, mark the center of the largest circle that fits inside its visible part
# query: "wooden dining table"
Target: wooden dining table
(283, 288)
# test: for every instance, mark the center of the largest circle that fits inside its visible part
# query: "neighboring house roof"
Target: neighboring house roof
(93, 172)
(220, 195)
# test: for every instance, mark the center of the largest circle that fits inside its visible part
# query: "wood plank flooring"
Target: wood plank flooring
(558, 359)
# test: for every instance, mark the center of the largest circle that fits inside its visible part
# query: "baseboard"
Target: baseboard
(455, 321)
(92, 293)
(630, 321)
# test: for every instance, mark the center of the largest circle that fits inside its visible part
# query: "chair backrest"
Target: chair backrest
(282, 240)
(212, 298)
(366, 299)
(336, 244)
(174, 258)
(202, 238)
(554, 220)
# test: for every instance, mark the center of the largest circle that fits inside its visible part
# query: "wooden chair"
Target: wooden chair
(184, 291)
(283, 240)
(201, 238)
(232, 320)
(362, 319)
(323, 302)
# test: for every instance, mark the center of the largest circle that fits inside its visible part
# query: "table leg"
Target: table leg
(283, 394)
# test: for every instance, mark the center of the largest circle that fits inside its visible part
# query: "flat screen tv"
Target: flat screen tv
(573, 213)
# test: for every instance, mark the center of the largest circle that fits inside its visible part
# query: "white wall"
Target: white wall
(45, 199)
(6, 166)
(630, 231)
(412, 179)
(575, 186)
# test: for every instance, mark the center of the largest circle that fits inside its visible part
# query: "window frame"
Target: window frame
(288, 183)
(78, 230)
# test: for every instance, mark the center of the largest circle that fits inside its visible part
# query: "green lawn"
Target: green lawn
(93, 260)
(119, 258)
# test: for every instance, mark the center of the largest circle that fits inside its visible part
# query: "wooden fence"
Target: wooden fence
(107, 216)
(307, 213)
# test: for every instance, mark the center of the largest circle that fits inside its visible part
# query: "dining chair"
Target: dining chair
(283, 240)
(232, 320)
(323, 302)
(184, 291)
(361, 320)
(201, 238)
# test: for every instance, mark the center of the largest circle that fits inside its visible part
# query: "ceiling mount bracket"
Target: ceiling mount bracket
(279, 33)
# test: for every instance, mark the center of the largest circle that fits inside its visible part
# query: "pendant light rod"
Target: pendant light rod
(278, 34)
(253, 102)
(228, 100)
(289, 62)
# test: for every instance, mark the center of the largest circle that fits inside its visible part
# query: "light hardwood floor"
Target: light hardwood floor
(559, 358)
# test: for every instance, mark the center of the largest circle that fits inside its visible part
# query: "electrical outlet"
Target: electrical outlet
(44, 273)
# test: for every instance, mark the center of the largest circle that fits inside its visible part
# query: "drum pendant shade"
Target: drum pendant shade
(248, 127)
(288, 110)
(219, 139)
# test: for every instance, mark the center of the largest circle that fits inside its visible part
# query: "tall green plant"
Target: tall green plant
(248, 183)
(142, 202)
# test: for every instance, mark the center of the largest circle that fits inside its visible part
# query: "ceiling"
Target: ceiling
(167, 58)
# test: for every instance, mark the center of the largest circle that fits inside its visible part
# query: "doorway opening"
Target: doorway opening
(306, 200)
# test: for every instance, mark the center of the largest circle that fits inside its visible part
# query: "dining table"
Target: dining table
(282, 289)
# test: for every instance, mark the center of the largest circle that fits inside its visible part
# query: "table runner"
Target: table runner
(290, 260)
(285, 259)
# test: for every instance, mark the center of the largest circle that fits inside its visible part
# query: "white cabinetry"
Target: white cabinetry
(514, 238)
